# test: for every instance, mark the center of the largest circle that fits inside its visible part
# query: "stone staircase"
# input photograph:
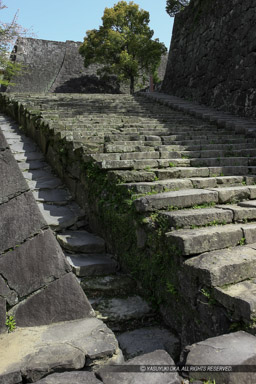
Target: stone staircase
(191, 177)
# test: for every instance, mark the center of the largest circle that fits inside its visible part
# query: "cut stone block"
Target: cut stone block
(111, 285)
(81, 242)
(228, 180)
(117, 311)
(239, 298)
(113, 375)
(61, 300)
(57, 347)
(20, 218)
(192, 242)
(21, 147)
(92, 264)
(234, 349)
(157, 186)
(248, 204)
(197, 217)
(131, 176)
(70, 377)
(240, 213)
(34, 264)
(58, 217)
(146, 340)
(32, 165)
(249, 231)
(29, 156)
(182, 172)
(202, 182)
(44, 183)
(226, 266)
(179, 199)
(230, 194)
(11, 182)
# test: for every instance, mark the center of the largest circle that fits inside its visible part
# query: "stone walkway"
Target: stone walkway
(197, 178)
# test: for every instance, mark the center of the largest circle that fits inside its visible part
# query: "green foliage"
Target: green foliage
(123, 44)
(175, 6)
(10, 323)
(242, 241)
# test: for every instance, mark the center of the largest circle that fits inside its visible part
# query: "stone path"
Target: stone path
(195, 177)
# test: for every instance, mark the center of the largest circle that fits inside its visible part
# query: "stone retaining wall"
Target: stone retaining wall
(212, 55)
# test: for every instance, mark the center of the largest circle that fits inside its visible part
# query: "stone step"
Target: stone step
(120, 148)
(235, 193)
(52, 196)
(60, 217)
(175, 200)
(156, 186)
(220, 162)
(92, 264)
(117, 285)
(146, 340)
(122, 314)
(239, 299)
(190, 218)
(223, 267)
(188, 172)
(195, 241)
(81, 242)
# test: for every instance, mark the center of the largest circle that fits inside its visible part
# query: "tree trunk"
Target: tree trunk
(132, 85)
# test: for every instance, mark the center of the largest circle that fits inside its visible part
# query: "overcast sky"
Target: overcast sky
(62, 20)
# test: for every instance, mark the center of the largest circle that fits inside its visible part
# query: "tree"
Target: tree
(175, 6)
(8, 34)
(123, 44)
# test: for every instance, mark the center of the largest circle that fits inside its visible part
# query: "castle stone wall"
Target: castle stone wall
(213, 55)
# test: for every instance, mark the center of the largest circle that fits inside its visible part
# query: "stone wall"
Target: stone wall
(213, 53)
(53, 66)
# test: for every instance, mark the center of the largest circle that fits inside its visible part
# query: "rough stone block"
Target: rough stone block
(239, 298)
(240, 213)
(61, 300)
(230, 194)
(58, 217)
(5, 291)
(34, 264)
(20, 218)
(70, 378)
(11, 378)
(112, 375)
(249, 233)
(146, 340)
(231, 350)
(11, 182)
(40, 351)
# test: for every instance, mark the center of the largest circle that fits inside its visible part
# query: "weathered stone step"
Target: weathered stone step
(142, 164)
(220, 161)
(195, 241)
(60, 217)
(190, 218)
(92, 264)
(184, 172)
(226, 266)
(239, 298)
(179, 199)
(124, 156)
(242, 212)
(121, 314)
(146, 340)
(112, 148)
(117, 285)
(235, 194)
(204, 142)
(81, 242)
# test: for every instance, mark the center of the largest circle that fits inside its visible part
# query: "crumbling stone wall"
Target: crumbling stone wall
(213, 54)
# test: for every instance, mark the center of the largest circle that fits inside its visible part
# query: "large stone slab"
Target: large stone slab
(56, 196)
(20, 218)
(114, 375)
(235, 349)
(61, 300)
(230, 194)
(34, 264)
(240, 213)
(146, 340)
(5, 292)
(179, 199)
(79, 377)
(110, 285)
(39, 351)
(192, 242)
(226, 266)
(58, 217)
(11, 182)
(81, 241)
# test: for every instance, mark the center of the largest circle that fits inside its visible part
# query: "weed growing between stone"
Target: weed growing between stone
(10, 323)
